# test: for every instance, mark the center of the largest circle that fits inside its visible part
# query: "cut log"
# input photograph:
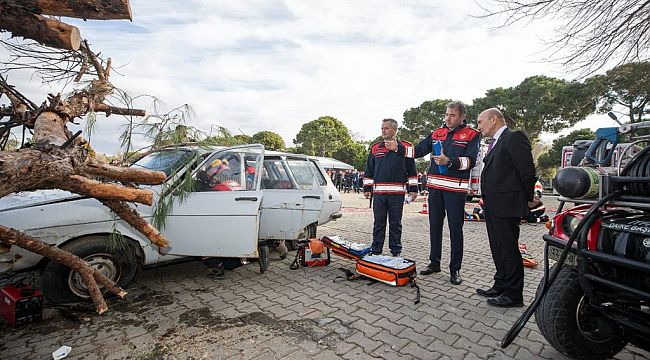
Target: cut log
(90, 276)
(134, 219)
(82, 9)
(49, 32)
(124, 174)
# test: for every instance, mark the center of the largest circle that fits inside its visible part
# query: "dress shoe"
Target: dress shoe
(504, 301)
(430, 270)
(455, 277)
(490, 293)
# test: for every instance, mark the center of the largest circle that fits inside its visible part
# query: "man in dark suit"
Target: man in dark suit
(507, 184)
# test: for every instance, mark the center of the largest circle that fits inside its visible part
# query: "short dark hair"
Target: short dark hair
(392, 122)
(462, 109)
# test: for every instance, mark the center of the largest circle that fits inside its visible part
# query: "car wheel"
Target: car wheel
(310, 233)
(571, 325)
(60, 284)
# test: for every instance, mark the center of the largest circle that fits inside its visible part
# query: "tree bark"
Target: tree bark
(89, 275)
(82, 9)
(50, 127)
(118, 173)
(103, 191)
(49, 32)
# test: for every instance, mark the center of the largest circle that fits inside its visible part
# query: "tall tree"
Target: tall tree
(270, 140)
(591, 33)
(420, 121)
(540, 103)
(322, 137)
(355, 154)
(626, 86)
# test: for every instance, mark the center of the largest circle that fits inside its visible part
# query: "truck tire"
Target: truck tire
(62, 285)
(571, 325)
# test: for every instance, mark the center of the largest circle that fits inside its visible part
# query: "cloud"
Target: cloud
(275, 65)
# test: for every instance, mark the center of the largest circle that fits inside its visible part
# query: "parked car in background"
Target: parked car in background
(236, 201)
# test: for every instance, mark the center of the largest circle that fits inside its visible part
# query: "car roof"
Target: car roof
(207, 149)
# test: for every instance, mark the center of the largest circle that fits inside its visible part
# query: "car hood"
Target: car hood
(27, 199)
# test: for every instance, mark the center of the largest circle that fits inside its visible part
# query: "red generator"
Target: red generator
(21, 304)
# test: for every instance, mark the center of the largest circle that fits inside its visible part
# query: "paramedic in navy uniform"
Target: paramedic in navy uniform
(388, 177)
(447, 189)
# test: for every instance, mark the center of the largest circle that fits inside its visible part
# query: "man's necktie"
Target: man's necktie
(490, 145)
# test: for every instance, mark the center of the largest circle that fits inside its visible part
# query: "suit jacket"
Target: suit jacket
(508, 177)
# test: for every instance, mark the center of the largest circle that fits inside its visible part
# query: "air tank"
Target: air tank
(581, 182)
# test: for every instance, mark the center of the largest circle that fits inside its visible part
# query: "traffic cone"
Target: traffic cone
(425, 209)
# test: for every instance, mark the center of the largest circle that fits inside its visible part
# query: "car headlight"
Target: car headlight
(569, 224)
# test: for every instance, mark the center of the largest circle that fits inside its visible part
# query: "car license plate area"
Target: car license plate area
(554, 253)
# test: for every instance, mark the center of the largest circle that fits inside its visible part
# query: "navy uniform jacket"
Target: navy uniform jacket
(387, 172)
(460, 145)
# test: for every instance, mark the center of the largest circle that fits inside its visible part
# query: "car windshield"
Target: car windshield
(167, 161)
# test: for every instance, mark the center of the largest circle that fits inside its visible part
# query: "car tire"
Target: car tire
(60, 284)
(571, 325)
(310, 233)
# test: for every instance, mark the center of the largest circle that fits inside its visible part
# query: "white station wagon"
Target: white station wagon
(240, 200)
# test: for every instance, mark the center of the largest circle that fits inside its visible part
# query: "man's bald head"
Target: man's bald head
(489, 121)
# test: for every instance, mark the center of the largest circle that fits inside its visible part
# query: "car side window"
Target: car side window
(223, 171)
(317, 173)
(275, 175)
(302, 173)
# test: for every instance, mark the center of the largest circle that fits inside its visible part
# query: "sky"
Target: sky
(274, 65)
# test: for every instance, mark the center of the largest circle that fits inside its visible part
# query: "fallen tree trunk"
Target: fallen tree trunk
(82, 9)
(90, 276)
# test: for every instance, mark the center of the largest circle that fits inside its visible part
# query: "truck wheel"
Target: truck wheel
(60, 284)
(310, 233)
(572, 326)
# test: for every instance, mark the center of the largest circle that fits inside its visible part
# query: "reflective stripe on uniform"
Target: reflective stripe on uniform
(464, 163)
(367, 181)
(413, 181)
(409, 151)
(447, 183)
(389, 188)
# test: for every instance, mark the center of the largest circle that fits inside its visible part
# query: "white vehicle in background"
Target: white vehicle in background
(239, 200)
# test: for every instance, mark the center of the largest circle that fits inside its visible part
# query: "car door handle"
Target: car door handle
(317, 197)
(246, 198)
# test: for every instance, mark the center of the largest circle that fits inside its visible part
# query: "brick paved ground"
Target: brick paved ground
(176, 311)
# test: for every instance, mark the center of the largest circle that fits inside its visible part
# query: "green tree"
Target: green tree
(420, 121)
(626, 86)
(551, 160)
(244, 139)
(540, 103)
(355, 154)
(322, 137)
(269, 139)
